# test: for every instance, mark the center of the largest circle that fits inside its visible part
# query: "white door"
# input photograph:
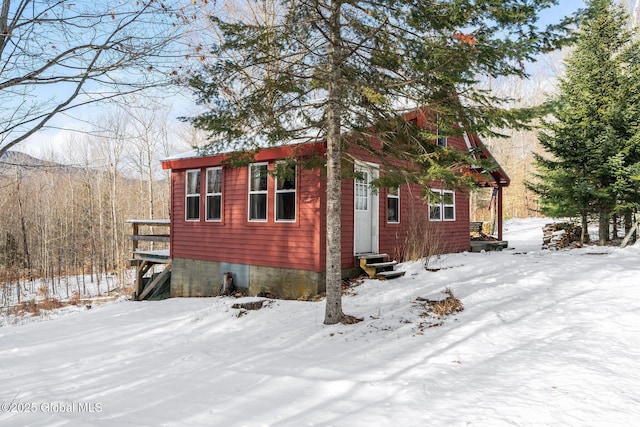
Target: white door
(365, 210)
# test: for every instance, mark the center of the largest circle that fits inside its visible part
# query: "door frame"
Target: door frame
(374, 172)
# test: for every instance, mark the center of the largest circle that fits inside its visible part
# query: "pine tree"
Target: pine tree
(315, 69)
(591, 135)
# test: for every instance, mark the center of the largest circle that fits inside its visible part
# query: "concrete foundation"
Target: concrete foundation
(194, 278)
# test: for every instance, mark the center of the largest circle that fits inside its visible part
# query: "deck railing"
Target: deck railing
(145, 259)
(139, 225)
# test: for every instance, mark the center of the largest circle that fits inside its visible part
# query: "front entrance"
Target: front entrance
(365, 210)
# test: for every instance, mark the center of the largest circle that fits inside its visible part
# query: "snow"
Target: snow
(149, 221)
(546, 338)
(156, 252)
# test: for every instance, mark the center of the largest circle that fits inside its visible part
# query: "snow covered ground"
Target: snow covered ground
(545, 338)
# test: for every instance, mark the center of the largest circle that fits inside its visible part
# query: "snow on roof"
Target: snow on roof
(236, 146)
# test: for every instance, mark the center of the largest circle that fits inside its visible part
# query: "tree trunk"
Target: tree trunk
(628, 223)
(333, 312)
(603, 227)
(584, 236)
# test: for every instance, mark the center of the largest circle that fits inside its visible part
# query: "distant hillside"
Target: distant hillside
(11, 159)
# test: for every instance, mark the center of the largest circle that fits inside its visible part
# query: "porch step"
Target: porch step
(390, 274)
(376, 266)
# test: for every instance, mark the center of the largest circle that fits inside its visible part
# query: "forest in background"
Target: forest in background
(63, 218)
(65, 215)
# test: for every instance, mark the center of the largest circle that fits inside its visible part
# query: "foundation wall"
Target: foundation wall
(196, 278)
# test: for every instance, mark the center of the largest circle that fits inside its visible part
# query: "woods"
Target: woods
(591, 168)
(273, 72)
(66, 217)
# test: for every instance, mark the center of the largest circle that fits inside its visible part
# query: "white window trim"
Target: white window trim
(207, 194)
(295, 196)
(393, 196)
(250, 193)
(193, 195)
(442, 205)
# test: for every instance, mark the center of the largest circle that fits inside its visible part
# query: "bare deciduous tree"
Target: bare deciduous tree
(57, 55)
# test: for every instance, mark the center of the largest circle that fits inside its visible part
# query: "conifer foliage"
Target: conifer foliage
(593, 133)
(314, 69)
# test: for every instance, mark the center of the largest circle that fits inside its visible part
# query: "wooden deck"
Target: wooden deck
(145, 259)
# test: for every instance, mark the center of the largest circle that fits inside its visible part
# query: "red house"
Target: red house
(269, 232)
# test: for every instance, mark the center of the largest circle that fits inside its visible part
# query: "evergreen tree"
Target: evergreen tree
(591, 135)
(316, 68)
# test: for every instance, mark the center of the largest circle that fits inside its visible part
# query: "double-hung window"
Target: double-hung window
(441, 139)
(448, 206)
(393, 205)
(214, 194)
(286, 193)
(442, 208)
(258, 192)
(192, 202)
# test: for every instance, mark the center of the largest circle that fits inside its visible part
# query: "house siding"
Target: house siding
(235, 239)
(288, 259)
(401, 240)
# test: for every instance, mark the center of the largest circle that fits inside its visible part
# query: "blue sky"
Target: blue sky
(55, 136)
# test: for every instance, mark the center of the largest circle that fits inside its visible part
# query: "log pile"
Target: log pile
(562, 235)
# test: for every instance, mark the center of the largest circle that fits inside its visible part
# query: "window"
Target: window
(362, 192)
(435, 208)
(286, 192)
(448, 206)
(214, 194)
(442, 208)
(393, 205)
(258, 192)
(442, 139)
(192, 202)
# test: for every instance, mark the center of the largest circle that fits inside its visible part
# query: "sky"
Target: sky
(55, 140)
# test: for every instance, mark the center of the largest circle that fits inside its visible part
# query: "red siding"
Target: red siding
(348, 230)
(301, 244)
(443, 236)
(235, 239)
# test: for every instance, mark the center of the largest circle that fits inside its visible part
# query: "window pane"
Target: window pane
(258, 178)
(193, 182)
(288, 181)
(214, 181)
(214, 207)
(392, 191)
(434, 212)
(286, 206)
(447, 198)
(392, 209)
(442, 139)
(193, 207)
(449, 212)
(362, 192)
(258, 206)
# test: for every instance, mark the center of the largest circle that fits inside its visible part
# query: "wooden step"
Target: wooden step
(382, 264)
(376, 267)
(370, 256)
(389, 274)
